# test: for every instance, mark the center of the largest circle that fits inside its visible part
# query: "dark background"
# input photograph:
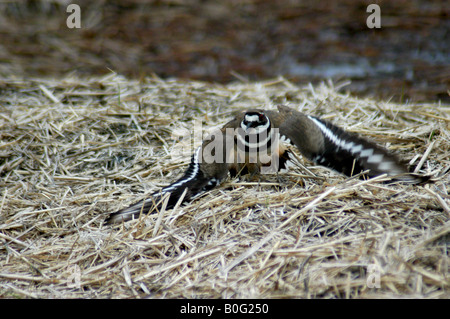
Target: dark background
(223, 41)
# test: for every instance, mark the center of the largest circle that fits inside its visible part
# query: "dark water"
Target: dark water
(408, 58)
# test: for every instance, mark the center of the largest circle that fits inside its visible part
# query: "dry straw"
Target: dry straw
(73, 150)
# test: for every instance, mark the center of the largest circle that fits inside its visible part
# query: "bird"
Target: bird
(258, 141)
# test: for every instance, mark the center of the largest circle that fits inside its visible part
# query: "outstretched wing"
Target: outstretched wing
(193, 183)
(328, 145)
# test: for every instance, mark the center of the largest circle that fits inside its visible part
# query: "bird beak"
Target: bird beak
(249, 130)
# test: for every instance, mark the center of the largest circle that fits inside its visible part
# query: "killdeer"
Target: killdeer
(256, 140)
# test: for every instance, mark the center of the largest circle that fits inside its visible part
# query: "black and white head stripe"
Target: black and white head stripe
(345, 150)
(256, 120)
(255, 133)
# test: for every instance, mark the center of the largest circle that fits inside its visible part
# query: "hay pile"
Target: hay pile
(75, 149)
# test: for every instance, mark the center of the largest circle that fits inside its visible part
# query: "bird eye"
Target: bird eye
(261, 117)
